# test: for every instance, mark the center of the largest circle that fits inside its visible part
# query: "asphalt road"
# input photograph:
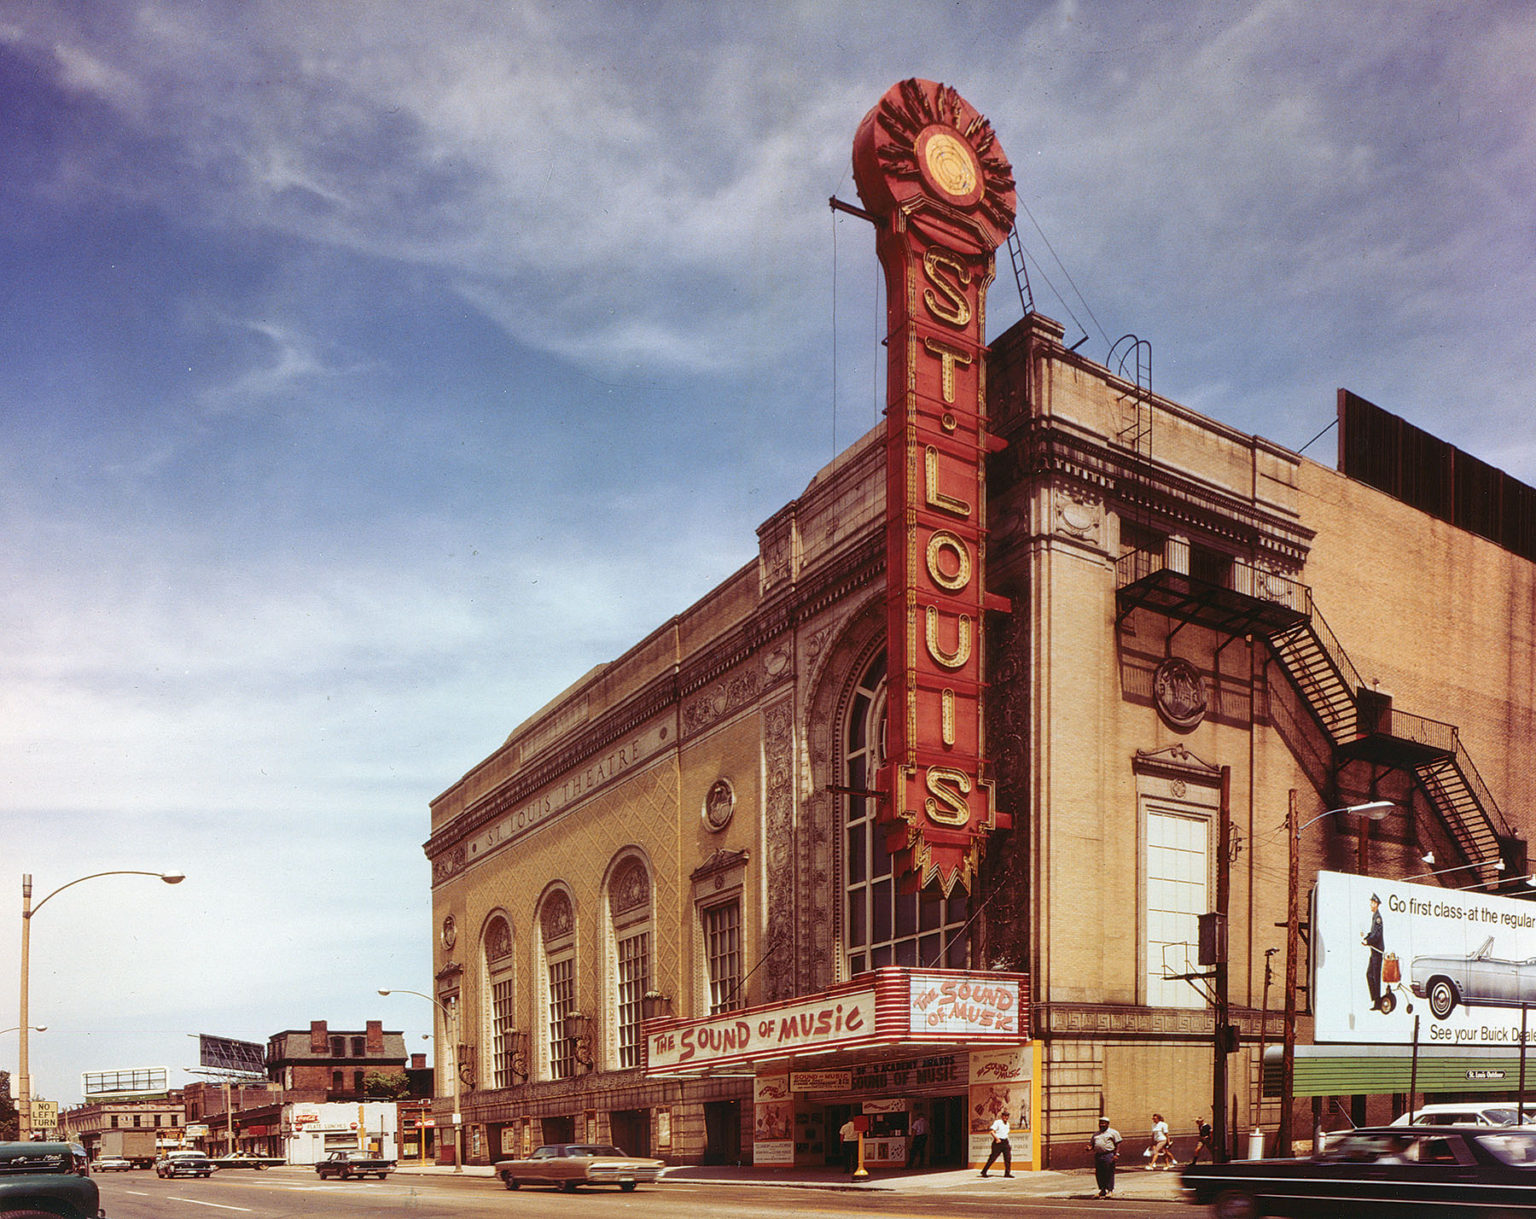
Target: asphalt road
(294, 1193)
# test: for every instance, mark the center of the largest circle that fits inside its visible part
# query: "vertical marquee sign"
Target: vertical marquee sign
(930, 171)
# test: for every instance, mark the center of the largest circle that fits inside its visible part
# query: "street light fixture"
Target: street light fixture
(1429, 857)
(1374, 810)
(451, 1028)
(23, 1063)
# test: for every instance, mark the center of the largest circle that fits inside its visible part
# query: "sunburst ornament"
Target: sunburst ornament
(924, 143)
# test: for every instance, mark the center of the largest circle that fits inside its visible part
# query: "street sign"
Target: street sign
(45, 1114)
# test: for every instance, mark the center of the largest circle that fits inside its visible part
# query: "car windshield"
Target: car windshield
(1511, 1146)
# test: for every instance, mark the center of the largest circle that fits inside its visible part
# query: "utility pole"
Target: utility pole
(1292, 938)
(1224, 1038)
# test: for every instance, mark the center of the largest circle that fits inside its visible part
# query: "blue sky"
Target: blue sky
(372, 370)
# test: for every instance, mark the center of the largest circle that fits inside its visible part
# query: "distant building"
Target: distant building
(165, 1115)
(332, 1065)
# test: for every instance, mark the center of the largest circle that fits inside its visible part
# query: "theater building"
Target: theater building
(919, 811)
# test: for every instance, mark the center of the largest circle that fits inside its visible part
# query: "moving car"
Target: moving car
(1478, 979)
(184, 1164)
(48, 1179)
(347, 1164)
(245, 1159)
(111, 1164)
(1451, 1172)
(567, 1165)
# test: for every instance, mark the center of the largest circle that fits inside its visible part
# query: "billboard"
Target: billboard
(226, 1054)
(1385, 952)
(134, 1081)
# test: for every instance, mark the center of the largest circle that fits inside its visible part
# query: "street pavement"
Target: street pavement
(1132, 1182)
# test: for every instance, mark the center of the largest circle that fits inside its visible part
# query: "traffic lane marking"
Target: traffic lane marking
(219, 1205)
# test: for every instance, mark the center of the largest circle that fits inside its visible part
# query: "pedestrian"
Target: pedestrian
(1202, 1141)
(849, 1132)
(1160, 1153)
(1105, 1146)
(1000, 1145)
(918, 1148)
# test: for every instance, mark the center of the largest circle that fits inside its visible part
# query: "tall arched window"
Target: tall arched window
(882, 925)
(557, 928)
(497, 961)
(629, 913)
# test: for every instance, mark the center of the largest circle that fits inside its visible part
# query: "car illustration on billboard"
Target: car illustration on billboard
(1477, 979)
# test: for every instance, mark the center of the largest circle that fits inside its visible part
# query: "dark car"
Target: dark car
(1445, 1171)
(47, 1178)
(344, 1165)
(184, 1165)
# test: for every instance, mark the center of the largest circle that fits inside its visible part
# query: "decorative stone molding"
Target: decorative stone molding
(719, 805)
(498, 940)
(779, 837)
(631, 889)
(1078, 514)
(557, 919)
(1178, 690)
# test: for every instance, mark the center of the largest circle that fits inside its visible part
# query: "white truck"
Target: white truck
(135, 1146)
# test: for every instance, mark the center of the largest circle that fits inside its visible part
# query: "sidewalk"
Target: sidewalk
(1131, 1182)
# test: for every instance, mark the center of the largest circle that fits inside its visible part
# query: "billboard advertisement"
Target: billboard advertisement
(1384, 952)
(134, 1081)
(227, 1054)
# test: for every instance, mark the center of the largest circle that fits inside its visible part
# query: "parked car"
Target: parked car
(567, 1165)
(184, 1164)
(111, 1164)
(1479, 979)
(1468, 1113)
(246, 1159)
(1451, 1172)
(48, 1179)
(347, 1164)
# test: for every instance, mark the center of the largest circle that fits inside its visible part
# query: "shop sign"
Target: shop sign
(929, 168)
(893, 1104)
(303, 1117)
(820, 1081)
(819, 1024)
(963, 1006)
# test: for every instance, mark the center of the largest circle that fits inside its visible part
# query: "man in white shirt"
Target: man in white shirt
(1105, 1146)
(849, 1133)
(1000, 1146)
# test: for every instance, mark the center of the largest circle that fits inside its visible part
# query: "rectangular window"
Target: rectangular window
(359, 1047)
(562, 1001)
(634, 981)
(722, 946)
(1178, 869)
(501, 1018)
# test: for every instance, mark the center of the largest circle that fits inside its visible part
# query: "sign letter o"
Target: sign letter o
(941, 541)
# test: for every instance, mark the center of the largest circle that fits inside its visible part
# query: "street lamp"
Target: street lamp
(1429, 857)
(1374, 810)
(451, 1028)
(23, 1064)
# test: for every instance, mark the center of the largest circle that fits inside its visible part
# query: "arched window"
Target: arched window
(883, 926)
(557, 929)
(629, 914)
(497, 1004)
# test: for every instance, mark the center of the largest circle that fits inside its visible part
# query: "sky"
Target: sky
(371, 370)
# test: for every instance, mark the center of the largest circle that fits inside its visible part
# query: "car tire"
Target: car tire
(509, 1180)
(1236, 1204)
(1442, 997)
(627, 1186)
(568, 1187)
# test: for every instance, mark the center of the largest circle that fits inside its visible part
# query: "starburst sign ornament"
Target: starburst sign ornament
(929, 169)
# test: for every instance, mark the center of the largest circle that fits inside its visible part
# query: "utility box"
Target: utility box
(1213, 939)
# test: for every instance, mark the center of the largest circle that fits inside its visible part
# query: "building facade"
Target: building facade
(708, 846)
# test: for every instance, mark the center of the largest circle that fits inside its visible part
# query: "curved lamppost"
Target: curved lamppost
(451, 1030)
(1374, 810)
(23, 1064)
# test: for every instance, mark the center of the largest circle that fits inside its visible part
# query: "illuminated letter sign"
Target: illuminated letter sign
(929, 169)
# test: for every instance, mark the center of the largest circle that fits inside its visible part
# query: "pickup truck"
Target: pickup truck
(348, 1164)
(49, 1179)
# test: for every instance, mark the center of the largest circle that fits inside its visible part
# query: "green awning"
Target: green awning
(1361, 1070)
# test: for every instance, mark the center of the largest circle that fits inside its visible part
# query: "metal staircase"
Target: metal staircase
(1361, 724)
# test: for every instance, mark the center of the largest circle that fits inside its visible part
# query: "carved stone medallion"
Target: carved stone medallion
(1179, 692)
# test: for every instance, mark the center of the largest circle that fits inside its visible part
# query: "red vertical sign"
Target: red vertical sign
(931, 172)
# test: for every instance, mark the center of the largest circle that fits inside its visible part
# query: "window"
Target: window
(722, 955)
(338, 1047)
(136, 1119)
(357, 1082)
(884, 926)
(562, 1001)
(634, 981)
(174, 1120)
(336, 1081)
(359, 1047)
(1178, 866)
(500, 1033)
(629, 918)
(114, 1119)
(557, 926)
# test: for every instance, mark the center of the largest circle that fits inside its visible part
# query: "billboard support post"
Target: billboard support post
(1413, 1071)
(1292, 932)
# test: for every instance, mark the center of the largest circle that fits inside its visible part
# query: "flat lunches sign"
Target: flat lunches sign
(929, 169)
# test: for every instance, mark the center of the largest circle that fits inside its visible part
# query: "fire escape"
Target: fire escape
(1361, 724)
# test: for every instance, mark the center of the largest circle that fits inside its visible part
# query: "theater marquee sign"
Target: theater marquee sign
(929, 169)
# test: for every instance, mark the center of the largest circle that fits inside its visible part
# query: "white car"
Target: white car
(111, 1164)
(1495, 1113)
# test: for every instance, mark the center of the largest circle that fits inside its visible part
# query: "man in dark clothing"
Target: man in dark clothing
(1376, 944)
